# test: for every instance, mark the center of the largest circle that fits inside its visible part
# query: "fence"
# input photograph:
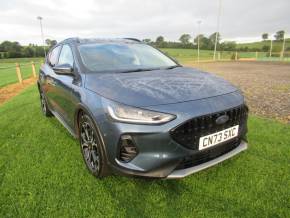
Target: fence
(18, 72)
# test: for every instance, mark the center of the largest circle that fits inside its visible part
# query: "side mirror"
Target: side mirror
(63, 69)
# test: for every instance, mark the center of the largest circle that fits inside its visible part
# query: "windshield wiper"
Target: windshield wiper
(139, 70)
(172, 67)
(148, 69)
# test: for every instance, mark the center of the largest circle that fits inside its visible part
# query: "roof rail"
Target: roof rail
(133, 39)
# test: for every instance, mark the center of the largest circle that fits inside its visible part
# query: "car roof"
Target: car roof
(77, 40)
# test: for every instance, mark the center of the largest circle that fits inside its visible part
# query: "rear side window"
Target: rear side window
(66, 56)
(53, 56)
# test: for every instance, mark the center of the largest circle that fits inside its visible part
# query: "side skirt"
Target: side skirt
(64, 123)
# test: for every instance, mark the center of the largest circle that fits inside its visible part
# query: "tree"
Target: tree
(10, 46)
(28, 51)
(229, 46)
(12, 49)
(204, 42)
(279, 35)
(266, 48)
(265, 36)
(147, 41)
(50, 42)
(185, 39)
(160, 41)
(212, 37)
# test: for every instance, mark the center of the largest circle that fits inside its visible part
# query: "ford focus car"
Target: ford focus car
(136, 111)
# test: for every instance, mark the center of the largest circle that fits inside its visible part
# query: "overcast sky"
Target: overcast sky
(242, 20)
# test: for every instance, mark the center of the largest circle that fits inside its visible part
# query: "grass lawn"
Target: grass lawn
(188, 55)
(277, 45)
(42, 174)
(8, 76)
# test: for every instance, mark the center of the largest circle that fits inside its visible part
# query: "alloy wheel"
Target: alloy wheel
(89, 145)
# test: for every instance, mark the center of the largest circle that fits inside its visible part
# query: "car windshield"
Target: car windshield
(123, 57)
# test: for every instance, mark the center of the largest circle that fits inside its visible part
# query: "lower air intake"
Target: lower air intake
(128, 150)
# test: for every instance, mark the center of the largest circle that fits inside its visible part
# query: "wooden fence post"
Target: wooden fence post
(256, 55)
(18, 72)
(33, 69)
(236, 56)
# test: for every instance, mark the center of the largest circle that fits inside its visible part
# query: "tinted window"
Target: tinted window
(53, 56)
(66, 56)
(122, 56)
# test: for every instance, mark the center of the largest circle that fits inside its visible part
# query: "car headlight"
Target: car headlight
(129, 114)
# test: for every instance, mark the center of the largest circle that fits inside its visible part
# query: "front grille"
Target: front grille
(188, 133)
(208, 154)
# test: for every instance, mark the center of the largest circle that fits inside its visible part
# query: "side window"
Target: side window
(66, 56)
(53, 55)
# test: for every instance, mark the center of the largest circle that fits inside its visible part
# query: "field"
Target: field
(42, 174)
(277, 45)
(8, 72)
(190, 55)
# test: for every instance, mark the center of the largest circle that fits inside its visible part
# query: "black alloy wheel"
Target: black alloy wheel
(91, 146)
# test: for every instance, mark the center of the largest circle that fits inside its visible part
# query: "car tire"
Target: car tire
(43, 104)
(91, 146)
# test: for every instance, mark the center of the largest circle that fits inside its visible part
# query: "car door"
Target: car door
(48, 85)
(63, 86)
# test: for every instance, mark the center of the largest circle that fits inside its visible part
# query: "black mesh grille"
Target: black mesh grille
(188, 133)
(128, 150)
(208, 154)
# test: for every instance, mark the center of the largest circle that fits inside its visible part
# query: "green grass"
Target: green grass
(20, 60)
(188, 55)
(8, 76)
(277, 45)
(42, 174)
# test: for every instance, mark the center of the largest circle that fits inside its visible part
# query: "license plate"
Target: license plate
(218, 137)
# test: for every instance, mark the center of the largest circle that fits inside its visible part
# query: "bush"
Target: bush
(266, 48)
(233, 56)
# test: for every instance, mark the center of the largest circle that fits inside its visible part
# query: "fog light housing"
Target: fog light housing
(127, 149)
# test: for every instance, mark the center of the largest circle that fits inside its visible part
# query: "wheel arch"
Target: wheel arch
(82, 108)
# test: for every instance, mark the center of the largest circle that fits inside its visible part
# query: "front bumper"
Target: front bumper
(177, 174)
(159, 155)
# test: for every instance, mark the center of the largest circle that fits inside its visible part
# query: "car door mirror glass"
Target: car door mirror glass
(63, 69)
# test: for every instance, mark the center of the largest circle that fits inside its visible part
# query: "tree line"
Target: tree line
(208, 42)
(15, 50)
(10, 49)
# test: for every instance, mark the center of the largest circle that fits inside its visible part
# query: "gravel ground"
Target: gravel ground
(266, 85)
